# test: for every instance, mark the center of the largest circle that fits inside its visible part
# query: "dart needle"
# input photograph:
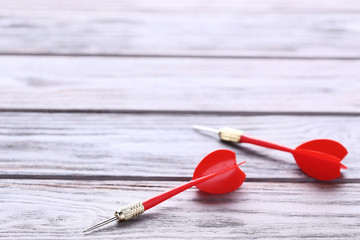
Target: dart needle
(225, 134)
(100, 224)
(208, 129)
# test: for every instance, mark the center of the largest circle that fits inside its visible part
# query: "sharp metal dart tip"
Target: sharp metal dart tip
(203, 128)
(100, 224)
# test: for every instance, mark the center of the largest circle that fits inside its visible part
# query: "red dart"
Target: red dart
(320, 158)
(217, 173)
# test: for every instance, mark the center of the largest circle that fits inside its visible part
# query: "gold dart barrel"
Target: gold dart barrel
(230, 134)
(130, 211)
(125, 213)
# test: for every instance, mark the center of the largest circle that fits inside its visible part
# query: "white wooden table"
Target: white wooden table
(97, 99)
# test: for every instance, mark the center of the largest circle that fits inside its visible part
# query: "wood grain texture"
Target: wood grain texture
(62, 209)
(211, 28)
(179, 84)
(286, 71)
(158, 145)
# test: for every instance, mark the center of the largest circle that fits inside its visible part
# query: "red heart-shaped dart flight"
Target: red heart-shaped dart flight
(225, 182)
(216, 173)
(320, 159)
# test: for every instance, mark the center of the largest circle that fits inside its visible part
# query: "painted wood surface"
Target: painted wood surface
(192, 28)
(158, 145)
(97, 99)
(232, 85)
(63, 209)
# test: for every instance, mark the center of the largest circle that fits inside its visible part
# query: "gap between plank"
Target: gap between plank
(182, 112)
(106, 55)
(161, 178)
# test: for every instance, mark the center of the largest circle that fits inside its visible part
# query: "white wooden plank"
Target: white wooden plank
(158, 145)
(278, 6)
(211, 28)
(63, 209)
(164, 84)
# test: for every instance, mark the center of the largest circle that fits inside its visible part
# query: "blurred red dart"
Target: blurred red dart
(320, 158)
(217, 173)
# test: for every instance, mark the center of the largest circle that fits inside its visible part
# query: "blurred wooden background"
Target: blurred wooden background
(97, 99)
